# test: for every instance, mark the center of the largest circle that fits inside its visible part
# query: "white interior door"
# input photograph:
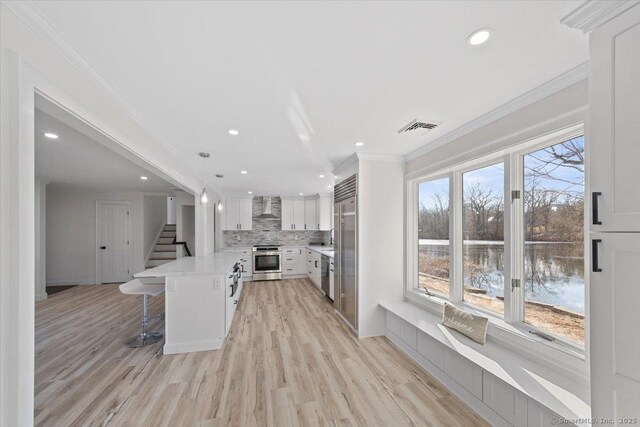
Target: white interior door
(615, 326)
(113, 241)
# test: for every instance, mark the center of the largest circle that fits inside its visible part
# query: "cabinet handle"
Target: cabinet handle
(316, 264)
(594, 207)
(594, 255)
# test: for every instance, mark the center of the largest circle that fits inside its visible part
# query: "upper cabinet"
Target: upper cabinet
(310, 221)
(312, 213)
(238, 214)
(292, 214)
(613, 138)
(324, 211)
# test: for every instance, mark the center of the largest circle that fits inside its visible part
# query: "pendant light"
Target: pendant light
(203, 196)
(219, 205)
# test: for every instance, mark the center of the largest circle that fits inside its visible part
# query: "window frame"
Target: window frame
(510, 328)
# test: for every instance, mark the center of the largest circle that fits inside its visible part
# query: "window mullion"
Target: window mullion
(514, 240)
(455, 237)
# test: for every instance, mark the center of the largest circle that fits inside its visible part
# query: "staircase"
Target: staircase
(164, 250)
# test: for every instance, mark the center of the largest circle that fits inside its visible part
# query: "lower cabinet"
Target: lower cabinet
(509, 405)
(464, 372)
(431, 349)
(246, 260)
(291, 261)
(404, 330)
(314, 267)
(508, 402)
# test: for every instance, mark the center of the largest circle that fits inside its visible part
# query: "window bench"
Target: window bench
(503, 387)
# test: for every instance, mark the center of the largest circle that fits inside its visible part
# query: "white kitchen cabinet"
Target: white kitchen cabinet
(245, 255)
(314, 267)
(613, 139)
(324, 212)
(238, 214)
(331, 279)
(615, 318)
(613, 152)
(286, 214)
(505, 400)
(310, 220)
(293, 214)
(291, 261)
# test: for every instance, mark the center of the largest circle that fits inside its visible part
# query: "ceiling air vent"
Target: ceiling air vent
(417, 127)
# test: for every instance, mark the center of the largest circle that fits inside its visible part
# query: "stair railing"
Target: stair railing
(184, 245)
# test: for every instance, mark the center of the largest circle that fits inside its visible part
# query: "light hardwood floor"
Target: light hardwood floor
(287, 361)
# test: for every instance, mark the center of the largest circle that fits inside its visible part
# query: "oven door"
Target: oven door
(267, 262)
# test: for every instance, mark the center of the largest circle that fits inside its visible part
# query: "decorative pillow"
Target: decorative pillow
(475, 327)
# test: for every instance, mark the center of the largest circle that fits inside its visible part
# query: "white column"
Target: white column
(171, 210)
(41, 240)
(17, 308)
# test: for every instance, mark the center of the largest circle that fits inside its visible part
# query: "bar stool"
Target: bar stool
(138, 287)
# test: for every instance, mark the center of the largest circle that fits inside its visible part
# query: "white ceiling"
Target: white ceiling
(303, 81)
(75, 161)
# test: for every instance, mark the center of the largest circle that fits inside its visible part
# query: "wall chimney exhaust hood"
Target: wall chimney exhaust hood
(266, 209)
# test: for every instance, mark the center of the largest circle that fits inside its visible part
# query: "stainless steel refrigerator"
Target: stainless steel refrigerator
(346, 247)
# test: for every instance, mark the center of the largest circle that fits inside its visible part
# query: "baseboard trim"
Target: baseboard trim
(88, 282)
(191, 347)
(470, 400)
(41, 296)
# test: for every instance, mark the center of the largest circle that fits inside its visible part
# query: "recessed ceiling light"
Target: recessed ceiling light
(478, 37)
(243, 172)
(51, 135)
(302, 194)
(144, 178)
(359, 144)
(233, 132)
(328, 186)
(250, 192)
(321, 176)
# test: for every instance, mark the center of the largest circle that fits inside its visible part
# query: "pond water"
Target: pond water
(554, 272)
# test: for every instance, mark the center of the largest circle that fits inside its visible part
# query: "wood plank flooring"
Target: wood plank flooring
(288, 361)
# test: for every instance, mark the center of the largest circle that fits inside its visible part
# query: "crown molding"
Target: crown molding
(346, 164)
(28, 13)
(563, 81)
(394, 158)
(594, 13)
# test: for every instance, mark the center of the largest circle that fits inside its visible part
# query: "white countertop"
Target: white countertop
(217, 263)
(322, 250)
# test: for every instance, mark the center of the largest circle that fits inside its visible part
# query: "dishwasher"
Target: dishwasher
(325, 271)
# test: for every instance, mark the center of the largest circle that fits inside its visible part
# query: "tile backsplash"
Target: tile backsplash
(268, 231)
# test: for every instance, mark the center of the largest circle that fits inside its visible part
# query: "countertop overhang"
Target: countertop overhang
(217, 263)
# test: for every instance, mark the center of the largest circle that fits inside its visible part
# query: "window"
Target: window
(554, 239)
(504, 234)
(483, 237)
(433, 236)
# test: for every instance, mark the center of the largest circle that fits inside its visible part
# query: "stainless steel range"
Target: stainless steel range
(267, 263)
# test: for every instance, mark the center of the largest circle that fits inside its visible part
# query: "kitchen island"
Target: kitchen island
(201, 294)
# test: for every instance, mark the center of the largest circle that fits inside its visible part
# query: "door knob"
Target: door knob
(103, 247)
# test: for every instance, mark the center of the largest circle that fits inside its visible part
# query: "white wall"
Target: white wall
(34, 61)
(154, 210)
(41, 240)
(71, 234)
(189, 226)
(380, 241)
(559, 110)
